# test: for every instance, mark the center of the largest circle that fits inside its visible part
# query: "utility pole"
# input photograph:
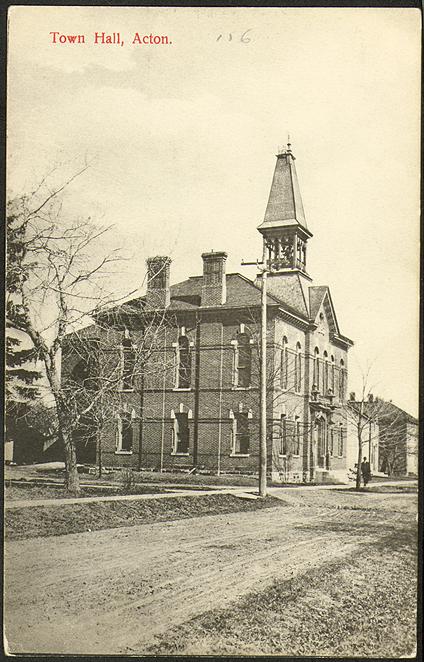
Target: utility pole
(262, 415)
(140, 429)
(196, 394)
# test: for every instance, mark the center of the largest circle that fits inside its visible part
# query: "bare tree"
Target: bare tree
(365, 414)
(61, 285)
(114, 356)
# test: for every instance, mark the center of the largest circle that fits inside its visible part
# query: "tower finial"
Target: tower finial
(288, 143)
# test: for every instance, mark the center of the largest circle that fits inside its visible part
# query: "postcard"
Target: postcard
(212, 331)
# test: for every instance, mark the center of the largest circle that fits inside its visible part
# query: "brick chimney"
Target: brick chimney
(158, 276)
(214, 286)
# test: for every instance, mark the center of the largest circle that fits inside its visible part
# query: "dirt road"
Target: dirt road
(114, 591)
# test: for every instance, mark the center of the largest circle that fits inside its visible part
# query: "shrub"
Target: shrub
(127, 480)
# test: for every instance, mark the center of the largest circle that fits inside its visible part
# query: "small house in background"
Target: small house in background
(398, 448)
(30, 431)
(389, 438)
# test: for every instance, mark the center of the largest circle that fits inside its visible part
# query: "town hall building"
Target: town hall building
(196, 404)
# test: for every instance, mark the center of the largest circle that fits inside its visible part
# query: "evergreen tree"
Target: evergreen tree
(21, 378)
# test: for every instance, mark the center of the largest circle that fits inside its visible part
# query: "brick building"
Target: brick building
(200, 406)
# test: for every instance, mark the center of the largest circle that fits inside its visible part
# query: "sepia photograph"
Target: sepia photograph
(212, 331)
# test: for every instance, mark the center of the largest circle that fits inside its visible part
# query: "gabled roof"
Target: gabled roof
(241, 292)
(392, 410)
(383, 409)
(318, 296)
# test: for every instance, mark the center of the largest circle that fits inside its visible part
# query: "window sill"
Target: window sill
(174, 453)
(282, 455)
(126, 390)
(177, 388)
(241, 388)
(123, 452)
(239, 454)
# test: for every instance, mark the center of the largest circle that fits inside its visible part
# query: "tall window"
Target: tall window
(124, 441)
(243, 361)
(183, 362)
(325, 380)
(181, 434)
(342, 381)
(341, 442)
(284, 365)
(333, 375)
(128, 363)
(241, 433)
(283, 434)
(297, 437)
(316, 368)
(298, 369)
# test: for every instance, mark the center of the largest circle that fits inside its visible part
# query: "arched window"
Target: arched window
(184, 362)
(333, 375)
(128, 363)
(181, 434)
(316, 368)
(242, 434)
(298, 369)
(325, 380)
(284, 364)
(124, 434)
(342, 381)
(241, 431)
(243, 361)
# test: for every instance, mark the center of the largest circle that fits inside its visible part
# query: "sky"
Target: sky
(181, 139)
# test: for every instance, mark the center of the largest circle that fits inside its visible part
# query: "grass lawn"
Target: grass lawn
(190, 479)
(42, 521)
(363, 605)
(28, 491)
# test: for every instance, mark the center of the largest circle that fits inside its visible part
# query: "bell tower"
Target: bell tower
(285, 234)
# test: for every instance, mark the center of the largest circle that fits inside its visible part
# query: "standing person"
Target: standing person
(366, 471)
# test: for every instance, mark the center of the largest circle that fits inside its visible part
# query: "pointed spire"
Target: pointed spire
(285, 205)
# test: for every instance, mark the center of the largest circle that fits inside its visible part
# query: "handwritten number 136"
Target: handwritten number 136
(244, 38)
